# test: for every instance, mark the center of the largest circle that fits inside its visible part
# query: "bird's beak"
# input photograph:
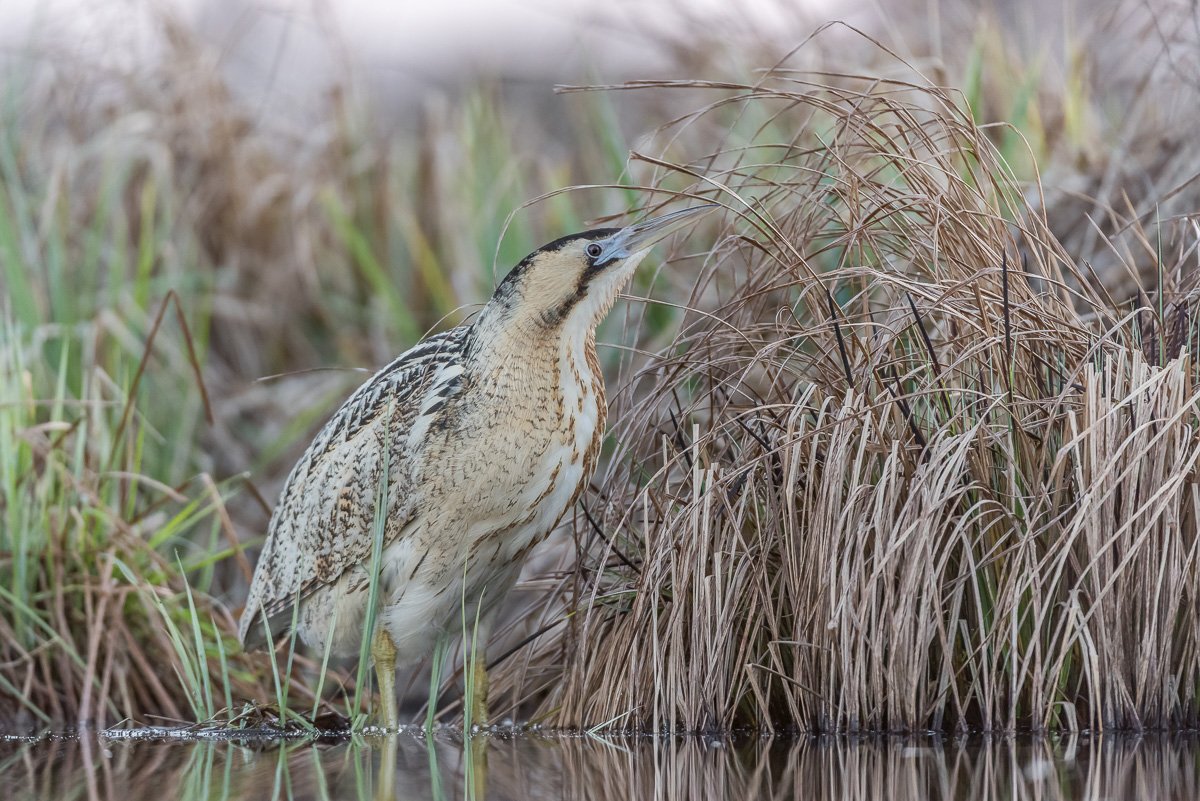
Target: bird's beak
(641, 236)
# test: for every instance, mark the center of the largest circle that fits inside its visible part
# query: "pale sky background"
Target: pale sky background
(295, 45)
(281, 56)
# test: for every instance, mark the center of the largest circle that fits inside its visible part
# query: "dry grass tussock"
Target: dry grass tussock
(903, 466)
(107, 612)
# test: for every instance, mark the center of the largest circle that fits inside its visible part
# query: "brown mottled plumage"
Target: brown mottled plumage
(487, 435)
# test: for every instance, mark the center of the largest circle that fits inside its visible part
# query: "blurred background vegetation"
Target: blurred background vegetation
(215, 218)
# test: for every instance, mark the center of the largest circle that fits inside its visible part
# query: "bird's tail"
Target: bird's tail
(252, 633)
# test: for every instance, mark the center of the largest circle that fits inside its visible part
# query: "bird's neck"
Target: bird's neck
(526, 351)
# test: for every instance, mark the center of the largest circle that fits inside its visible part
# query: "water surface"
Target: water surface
(527, 766)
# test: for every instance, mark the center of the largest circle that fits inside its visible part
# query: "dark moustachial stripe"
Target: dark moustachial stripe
(556, 315)
(508, 286)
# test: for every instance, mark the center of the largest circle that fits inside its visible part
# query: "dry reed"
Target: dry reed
(903, 467)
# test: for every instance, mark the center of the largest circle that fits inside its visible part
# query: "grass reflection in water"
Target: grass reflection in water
(575, 767)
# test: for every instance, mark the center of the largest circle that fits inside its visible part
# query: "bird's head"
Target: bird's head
(573, 282)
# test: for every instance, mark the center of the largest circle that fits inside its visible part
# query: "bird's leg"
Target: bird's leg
(479, 693)
(477, 699)
(383, 651)
(475, 670)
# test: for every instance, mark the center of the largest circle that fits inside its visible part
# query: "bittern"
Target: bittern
(484, 436)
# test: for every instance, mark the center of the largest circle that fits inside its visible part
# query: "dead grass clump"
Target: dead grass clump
(107, 611)
(902, 467)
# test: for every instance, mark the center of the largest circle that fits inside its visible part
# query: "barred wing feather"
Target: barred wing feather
(323, 523)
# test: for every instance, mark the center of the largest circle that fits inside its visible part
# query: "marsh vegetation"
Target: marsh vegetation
(905, 440)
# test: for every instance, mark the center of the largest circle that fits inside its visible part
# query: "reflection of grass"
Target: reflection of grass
(702, 768)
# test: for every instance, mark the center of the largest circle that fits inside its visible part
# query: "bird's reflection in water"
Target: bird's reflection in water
(413, 765)
(410, 765)
(465, 769)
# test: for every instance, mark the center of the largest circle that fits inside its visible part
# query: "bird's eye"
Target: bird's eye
(594, 250)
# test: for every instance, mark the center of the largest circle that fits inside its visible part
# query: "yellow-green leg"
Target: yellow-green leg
(479, 693)
(475, 668)
(383, 651)
(477, 707)
(476, 747)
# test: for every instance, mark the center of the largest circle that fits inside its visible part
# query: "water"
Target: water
(534, 767)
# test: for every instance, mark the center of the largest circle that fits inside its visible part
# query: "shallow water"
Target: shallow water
(536, 767)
